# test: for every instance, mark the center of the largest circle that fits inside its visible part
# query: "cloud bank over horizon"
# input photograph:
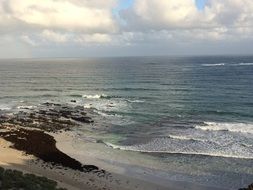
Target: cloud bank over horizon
(59, 28)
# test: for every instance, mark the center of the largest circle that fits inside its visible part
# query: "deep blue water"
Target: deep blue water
(188, 105)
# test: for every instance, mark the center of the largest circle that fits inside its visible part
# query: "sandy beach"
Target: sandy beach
(41, 142)
(11, 158)
(66, 178)
(126, 95)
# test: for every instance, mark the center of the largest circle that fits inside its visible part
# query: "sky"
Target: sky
(91, 28)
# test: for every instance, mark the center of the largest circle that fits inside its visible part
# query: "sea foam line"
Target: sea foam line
(232, 127)
(133, 149)
(4, 107)
(213, 65)
(185, 138)
(26, 107)
(245, 64)
(96, 96)
(224, 64)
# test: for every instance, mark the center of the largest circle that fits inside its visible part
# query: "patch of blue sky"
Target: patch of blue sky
(201, 4)
(124, 4)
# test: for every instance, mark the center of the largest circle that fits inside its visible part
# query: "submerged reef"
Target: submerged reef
(28, 129)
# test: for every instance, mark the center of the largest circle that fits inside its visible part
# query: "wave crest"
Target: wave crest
(4, 107)
(232, 127)
(96, 96)
(227, 64)
(188, 147)
(185, 138)
(245, 64)
(214, 64)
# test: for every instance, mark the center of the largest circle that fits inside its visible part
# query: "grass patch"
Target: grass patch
(15, 180)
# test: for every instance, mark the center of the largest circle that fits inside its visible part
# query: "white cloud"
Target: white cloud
(164, 14)
(28, 40)
(67, 15)
(54, 36)
(150, 23)
(13, 47)
(218, 20)
(50, 22)
(93, 38)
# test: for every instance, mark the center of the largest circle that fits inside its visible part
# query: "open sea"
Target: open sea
(169, 118)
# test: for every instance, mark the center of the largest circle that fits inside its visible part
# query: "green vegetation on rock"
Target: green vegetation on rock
(15, 180)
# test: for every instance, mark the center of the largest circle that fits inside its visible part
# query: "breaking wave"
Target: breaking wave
(232, 127)
(96, 96)
(185, 138)
(213, 65)
(4, 107)
(228, 64)
(245, 64)
(26, 107)
(189, 147)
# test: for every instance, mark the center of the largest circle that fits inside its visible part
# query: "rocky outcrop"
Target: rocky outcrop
(26, 130)
(250, 187)
(49, 117)
(43, 146)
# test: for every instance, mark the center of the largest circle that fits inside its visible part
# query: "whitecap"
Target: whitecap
(136, 101)
(96, 96)
(26, 107)
(232, 127)
(106, 114)
(87, 106)
(213, 65)
(245, 64)
(185, 138)
(189, 147)
(5, 107)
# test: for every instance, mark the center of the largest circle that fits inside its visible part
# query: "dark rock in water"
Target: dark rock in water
(65, 113)
(43, 146)
(49, 117)
(250, 187)
(74, 101)
(82, 119)
(99, 141)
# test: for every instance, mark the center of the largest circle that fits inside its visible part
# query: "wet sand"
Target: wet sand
(34, 151)
(28, 142)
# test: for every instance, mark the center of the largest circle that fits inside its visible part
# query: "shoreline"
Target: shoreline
(38, 141)
(74, 179)
(35, 152)
(65, 139)
(66, 178)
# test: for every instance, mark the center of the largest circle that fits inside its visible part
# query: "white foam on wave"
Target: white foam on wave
(232, 127)
(26, 107)
(136, 101)
(107, 114)
(177, 146)
(107, 105)
(114, 119)
(88, 106)
(5, 107)
(223, 64)
(245, 64)
(213, 65)
(185, 138)
(96, 96)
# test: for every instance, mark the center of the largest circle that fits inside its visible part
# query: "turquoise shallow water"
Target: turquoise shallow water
(178, 110)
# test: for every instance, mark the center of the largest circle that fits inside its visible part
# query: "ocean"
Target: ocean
(169, 118)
